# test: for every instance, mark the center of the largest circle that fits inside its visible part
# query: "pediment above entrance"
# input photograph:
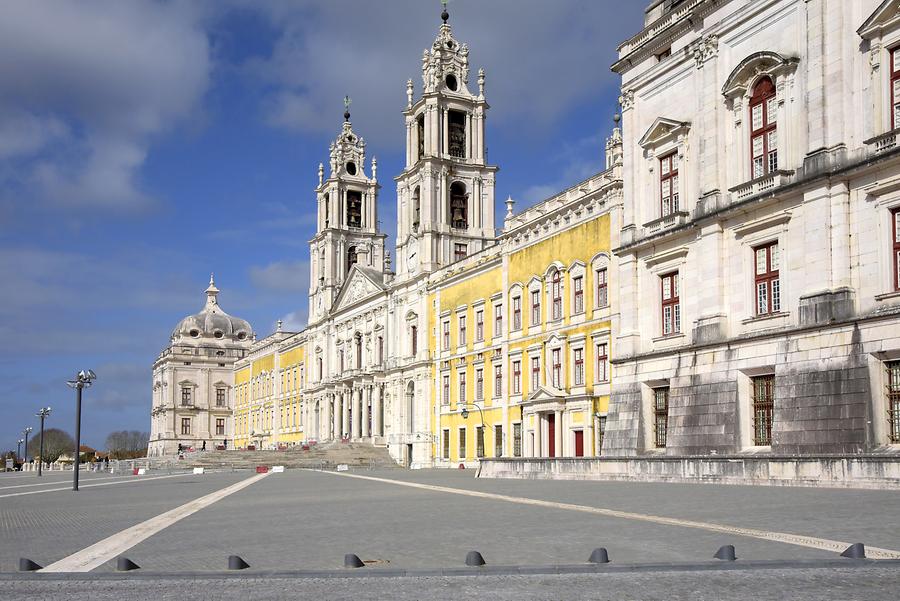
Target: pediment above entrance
(362, 283)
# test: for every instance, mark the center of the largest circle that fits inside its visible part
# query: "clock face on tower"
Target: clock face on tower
(412, 254)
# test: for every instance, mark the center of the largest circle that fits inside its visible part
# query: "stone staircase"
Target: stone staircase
(319, 456)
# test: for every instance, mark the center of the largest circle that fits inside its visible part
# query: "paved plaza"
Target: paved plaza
(422, 523)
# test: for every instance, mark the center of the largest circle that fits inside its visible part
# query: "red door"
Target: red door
(579, 443)
(551, 435)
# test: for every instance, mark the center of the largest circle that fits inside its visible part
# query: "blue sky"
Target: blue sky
(146, 144)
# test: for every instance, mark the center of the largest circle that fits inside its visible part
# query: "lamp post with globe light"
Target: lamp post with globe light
(82, 380)
(43, 414)
(26, 432)
(19, 449)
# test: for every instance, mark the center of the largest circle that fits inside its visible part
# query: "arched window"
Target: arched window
(351, 257)
(416, 208)
(556, 294)
(763, 128)
(354, 208)
(420, 135)
(327, 207)
(459, 206)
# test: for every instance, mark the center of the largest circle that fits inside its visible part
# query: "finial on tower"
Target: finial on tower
(211, 291)
(444, 14)
(409, 93)
(321, 173)
(278, 325)
(374, 168)
(616, 118)
(347, 103)
(509, 207)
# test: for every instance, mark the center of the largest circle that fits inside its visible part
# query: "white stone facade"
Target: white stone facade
(787, 267)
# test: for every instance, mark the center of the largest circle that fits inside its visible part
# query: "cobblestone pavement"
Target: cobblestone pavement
(870, 584)
(306, 520)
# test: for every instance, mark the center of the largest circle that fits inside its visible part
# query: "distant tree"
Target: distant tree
(56, 442)
(125, 444)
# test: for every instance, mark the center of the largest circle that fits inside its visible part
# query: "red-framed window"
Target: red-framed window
(479, 384)
(578, 295)
(535, 307)
(602, 362)
(462, 331)
(556, 374)
(460, 251)
(556, 295)
(895, 88)
(668, 184)
(498, 381)
(671, 307)
(602, 289)
(446, 397)
(763, 409)
(895, 220)
(768, 286)
(446, 327)
(535, 372)
(517, 312)
(763, 129)
(479, 326)
(498, 320)
(517, 377)
(462, 387)
(578, 360)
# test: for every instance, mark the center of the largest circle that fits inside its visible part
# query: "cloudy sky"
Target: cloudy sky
(146, 144)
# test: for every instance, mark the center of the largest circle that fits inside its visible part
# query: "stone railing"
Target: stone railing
(884, 142)
(678, 218)
(761, 184)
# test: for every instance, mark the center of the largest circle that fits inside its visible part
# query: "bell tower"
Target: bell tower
(445, 195)
(347, 222)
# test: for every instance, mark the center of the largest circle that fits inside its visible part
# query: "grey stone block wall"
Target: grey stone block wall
(623, 435)
(702, 414)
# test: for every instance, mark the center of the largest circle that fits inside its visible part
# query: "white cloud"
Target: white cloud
(283, 276)
(85, 86)
(294, 321)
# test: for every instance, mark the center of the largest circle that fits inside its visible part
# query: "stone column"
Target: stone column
(364, 415)
(538, 434)
(358, 412)
(376, 412)
(345, 414)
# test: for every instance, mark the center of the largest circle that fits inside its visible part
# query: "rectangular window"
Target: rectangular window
(220, 426)
(578, 295)
(479, 441)
(895, 219)
(479, 326)
(498, 320)
(220, 397)
(462, 331)
(447, 335)
(498, 441)
(602, 289)
(763, 129)
(185, 425)
(446, 396)
(660, 415)
(535, 372)
(535, 307)
(517, 440)
(517, 377)
(460, 251)
(185, 396)
(768, 286)
(498, 381)
(557, 368)
(414, 342)
(341, 360)
(668, 184)
(578, 360)
(517, 312)
(893, 401)
(895, 88)
(671, 308)
(763, 406)
(462, 444)
(380, 352)
(462, 387)
(479, 384)
(556, 295)
(602, 362)
(445, 444)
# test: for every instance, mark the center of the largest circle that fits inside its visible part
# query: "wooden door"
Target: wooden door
(579, 443)
(551, 435)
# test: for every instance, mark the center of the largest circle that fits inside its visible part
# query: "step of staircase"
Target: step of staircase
(318, 456)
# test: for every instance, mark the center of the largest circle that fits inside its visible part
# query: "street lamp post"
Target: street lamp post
(83, 380)
(19, 449)
(43, 414)
(26, 432)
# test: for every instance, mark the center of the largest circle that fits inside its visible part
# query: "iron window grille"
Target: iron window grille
(445, 444)
(893, 401)
(517, 440)
(763, 407)
(660, 415)
(479, 441)
(462, 444)
(498, 441)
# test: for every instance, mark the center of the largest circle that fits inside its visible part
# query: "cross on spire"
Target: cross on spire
(444, 14)
(347, 103)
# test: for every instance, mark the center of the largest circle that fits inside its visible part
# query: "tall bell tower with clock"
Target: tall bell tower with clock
(347, 220)
(445, 195)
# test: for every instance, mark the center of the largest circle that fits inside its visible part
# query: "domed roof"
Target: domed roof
(213, 322)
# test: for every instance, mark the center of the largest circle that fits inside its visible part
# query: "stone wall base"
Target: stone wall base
(833, 471)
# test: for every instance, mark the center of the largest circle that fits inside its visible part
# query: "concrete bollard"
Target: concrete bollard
(599, 555)
(353, 561)
(123, 564)
(855, 551)
(235, 562)
(725, 553)
(26, 565)
(474, 559)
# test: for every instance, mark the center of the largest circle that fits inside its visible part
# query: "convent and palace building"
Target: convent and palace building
(728, 284)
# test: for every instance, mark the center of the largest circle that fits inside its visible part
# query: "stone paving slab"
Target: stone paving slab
(48, 526)
(309, 520)
(807, 584)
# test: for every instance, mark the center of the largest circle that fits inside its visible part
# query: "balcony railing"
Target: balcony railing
(662, 224)
(884, 142)
(761, 184)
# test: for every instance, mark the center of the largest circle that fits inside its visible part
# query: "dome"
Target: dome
(213, 322)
